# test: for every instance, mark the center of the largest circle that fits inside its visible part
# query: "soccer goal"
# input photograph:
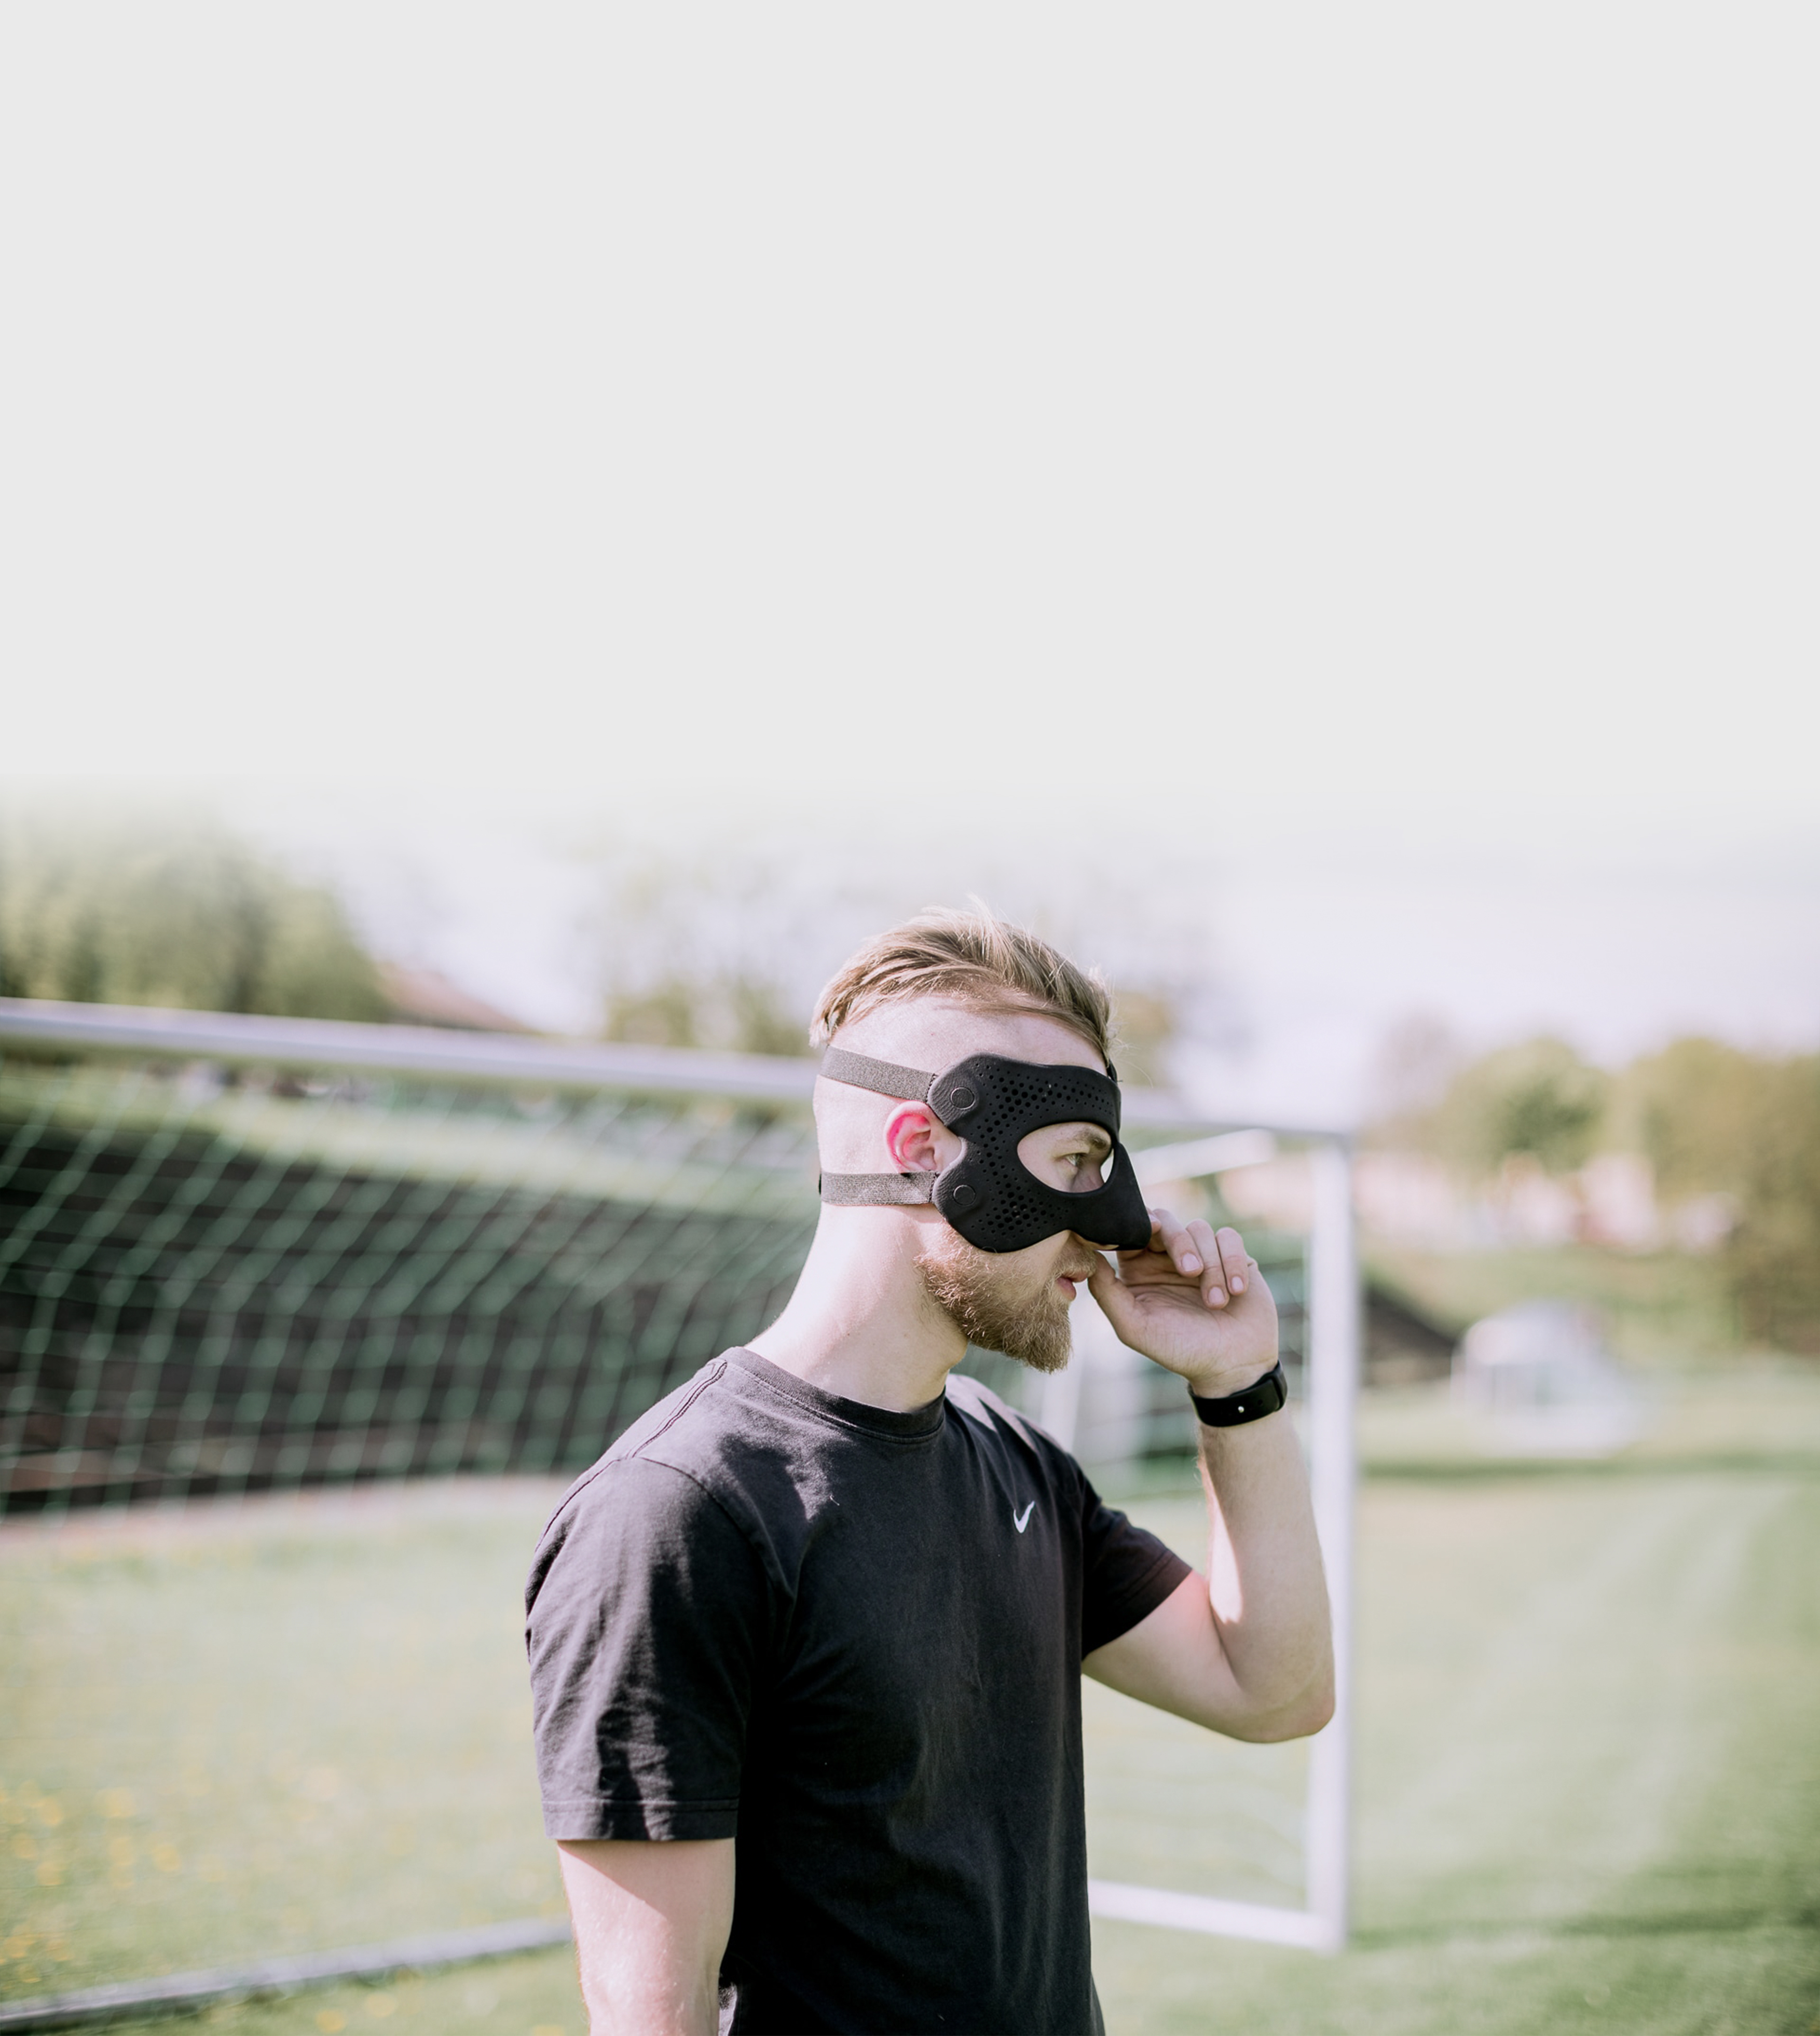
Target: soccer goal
(242, 1254)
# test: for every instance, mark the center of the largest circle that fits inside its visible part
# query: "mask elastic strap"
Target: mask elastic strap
(869, 1190)
(884, 1078)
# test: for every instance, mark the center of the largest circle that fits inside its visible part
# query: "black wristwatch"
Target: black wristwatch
(1263, 1396)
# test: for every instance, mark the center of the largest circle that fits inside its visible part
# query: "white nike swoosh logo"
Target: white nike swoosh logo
(1021, 1520)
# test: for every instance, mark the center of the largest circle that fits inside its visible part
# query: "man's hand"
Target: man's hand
(1193, 1302)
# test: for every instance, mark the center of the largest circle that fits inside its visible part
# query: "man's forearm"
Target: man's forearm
(1265, 1578)
(1248, 1652)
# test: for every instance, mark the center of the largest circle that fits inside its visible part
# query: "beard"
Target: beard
(977, 1291)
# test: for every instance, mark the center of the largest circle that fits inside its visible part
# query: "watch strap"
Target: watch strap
(1263, 1396)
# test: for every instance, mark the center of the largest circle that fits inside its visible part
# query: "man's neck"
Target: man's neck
(861, 1323)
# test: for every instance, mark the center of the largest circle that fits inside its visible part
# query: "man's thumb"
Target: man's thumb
(1103, 1284)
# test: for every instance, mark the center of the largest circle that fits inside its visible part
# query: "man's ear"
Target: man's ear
(910, 1139)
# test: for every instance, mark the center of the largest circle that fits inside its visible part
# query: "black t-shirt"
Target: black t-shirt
(852, 1639)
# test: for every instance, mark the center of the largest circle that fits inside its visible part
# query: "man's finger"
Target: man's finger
(1172, 1238)
(1206, 1249)
(1192, 1253)
(1109, 1291)
(1234, 1259)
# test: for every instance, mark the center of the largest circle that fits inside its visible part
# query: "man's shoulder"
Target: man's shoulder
(639, 1500)
(687, 1419)
(713, 1442)
(595, 1486)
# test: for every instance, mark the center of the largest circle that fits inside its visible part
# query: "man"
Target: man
(806, 1643)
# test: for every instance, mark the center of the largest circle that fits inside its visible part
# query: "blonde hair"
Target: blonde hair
(976, 960)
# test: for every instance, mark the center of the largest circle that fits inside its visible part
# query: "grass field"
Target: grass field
(1589, 1752)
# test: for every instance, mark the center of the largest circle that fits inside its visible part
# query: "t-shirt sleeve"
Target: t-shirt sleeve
(1126, 1572)
(646, 1614)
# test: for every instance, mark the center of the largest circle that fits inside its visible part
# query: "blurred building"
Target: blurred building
(1537, 1381)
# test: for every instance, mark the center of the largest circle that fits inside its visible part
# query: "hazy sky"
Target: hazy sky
(1378, 445)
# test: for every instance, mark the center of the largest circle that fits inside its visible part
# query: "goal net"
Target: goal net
(219, 1278)
(243, 1255)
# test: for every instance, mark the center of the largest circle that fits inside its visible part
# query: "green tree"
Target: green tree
(1775, 1250)
(138, 905)
(1716, 1120)
(696, 952)
(1711, 1120)
(720, 1010)
(1539, 1098)
(1144, 1027)
(1692, 1109)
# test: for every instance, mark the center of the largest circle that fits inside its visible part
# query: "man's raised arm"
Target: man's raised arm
(651, 1917)
(1247, 1651)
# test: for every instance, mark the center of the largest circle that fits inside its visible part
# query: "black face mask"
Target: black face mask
(989, 1195)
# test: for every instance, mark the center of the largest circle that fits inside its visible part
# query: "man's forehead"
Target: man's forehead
(933, 1032)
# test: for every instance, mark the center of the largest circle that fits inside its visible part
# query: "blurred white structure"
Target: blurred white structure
(1617, 1202)
(1537, 1381)
(1704, 1223)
